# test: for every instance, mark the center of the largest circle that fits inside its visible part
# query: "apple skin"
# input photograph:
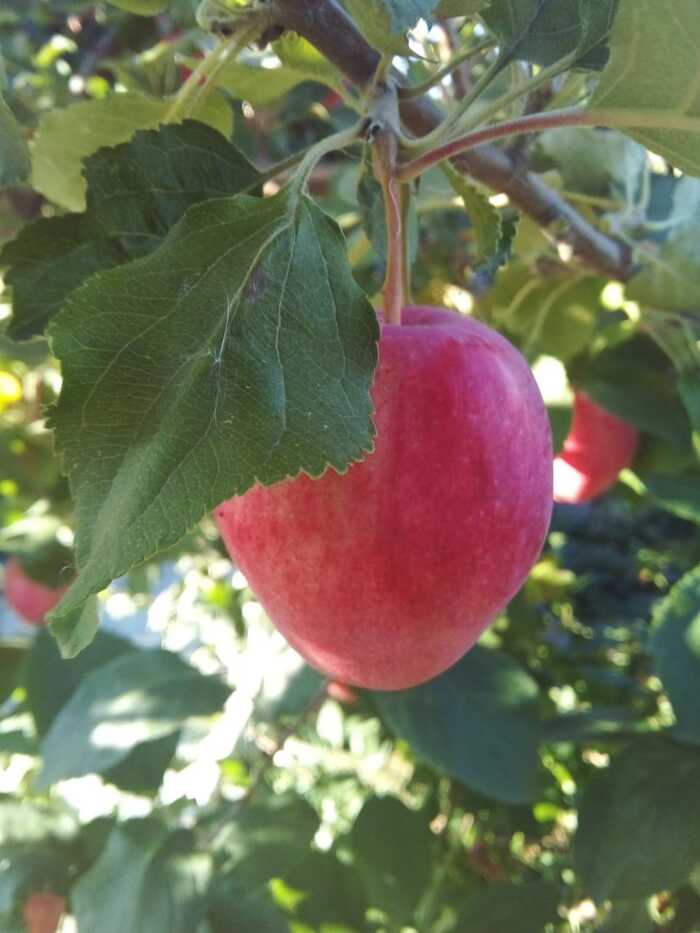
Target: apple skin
(29, 599)
(385, 576)
(597, 447)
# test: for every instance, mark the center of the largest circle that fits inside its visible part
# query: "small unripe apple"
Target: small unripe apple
(384, 576)
(30, 599)
(597, 447)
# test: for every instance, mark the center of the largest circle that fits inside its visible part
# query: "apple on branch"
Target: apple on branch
(385, 576)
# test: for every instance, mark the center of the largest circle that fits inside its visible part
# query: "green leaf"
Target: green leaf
(376, 23)
(140, 7)
(675, 647)
(141, 772)
(394, 16)
(147, 880)
(689, 390)
(588, 725)
(666, 38)
(11, 660)
(244, 911)
(460, 7)
(543, 31)
(136, 193)
(625, 916)
(556, 317)
(50, 682)
(330, 893)
(677, 493)
(15, 163)
(517, 908)
(267, 839)
(484, 218)
(393, 854)
(137, 698)
(260, 87)
(253, 351)
(670, 278)
(65, 138)
(638, 822)
(595, 162)
(304, 60)
(478, 722)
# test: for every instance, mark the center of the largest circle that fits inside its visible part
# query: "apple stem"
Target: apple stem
(385, 155)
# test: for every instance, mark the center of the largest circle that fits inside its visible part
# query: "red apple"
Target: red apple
(30, 599)
(43, 911)
(384, 576)
(597, 447)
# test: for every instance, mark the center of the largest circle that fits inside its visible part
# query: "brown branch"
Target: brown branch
(326, 25)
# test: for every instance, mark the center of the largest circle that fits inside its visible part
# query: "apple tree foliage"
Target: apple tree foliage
(191, 245)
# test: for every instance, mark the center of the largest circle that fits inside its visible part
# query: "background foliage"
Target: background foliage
(186, 771)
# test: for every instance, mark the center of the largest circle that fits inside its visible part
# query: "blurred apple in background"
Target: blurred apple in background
(43, 911)
(598, 446)
(29, 598)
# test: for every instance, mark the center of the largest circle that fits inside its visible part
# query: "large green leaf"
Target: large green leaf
(65, 138)
(544, 31)
(478, 722)
(393, 853)
(267, 839)
(136, 193)
(638, 822)
(240, 350)
(148, 879)
(517, 908)
(15, 163)
(136, 698)
(675, 646)
(653, 38)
